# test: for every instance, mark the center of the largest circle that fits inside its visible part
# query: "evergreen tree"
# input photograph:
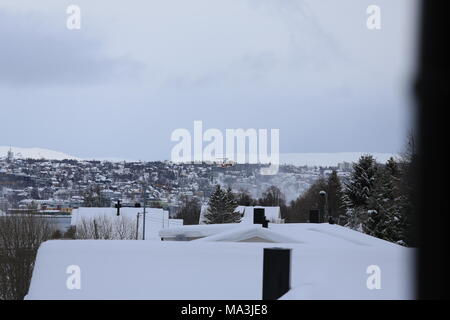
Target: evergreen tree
(231, 200)
(221, 207)
(386, 218)
(190, 211)
(231, 205)
(358, 190)
(334, 192)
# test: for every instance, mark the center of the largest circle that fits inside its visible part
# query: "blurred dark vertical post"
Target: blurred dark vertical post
(118, 206)
(276, 273)
(259, 215)
(314, 216)
(433, 98)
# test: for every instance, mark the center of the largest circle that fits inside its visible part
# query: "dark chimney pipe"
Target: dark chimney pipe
(276, 273)
(259, 216)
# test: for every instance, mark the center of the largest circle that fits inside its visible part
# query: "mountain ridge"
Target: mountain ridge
(298, 159)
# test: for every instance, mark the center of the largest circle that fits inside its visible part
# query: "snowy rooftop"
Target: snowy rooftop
(309, 233)
(249, 233)
(328, 262)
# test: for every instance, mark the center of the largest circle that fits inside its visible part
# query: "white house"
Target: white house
(155, 218)
(327, 262)
(273, 214)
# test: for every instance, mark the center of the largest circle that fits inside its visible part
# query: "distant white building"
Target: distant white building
(10, 155)
(345, 166)
(155, 218)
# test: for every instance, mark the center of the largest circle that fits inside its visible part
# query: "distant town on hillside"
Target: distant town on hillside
(61, 184)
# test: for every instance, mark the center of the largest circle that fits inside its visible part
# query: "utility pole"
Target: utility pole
(118, 206)
(95, 230)
(137, 225)
(143, 219)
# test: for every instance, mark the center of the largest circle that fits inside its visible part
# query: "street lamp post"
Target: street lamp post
(324, 194)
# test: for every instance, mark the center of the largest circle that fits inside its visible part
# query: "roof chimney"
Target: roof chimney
(276, 273)
(259, 216)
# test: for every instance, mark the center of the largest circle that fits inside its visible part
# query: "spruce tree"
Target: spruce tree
(380, 215)
(231, 205)
(190, 211)
(221, 207)
(400, 204)
(358, 190)
(334, 191)
(385, 219)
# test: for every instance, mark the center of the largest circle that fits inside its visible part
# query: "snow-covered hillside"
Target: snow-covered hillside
(34, 153)
(298, 159)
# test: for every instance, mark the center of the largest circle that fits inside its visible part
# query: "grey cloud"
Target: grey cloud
(35, 51)
(312, 70)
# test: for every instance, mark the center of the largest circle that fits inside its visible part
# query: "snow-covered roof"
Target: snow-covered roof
(314, 234)
(273, 214)
(197, 231)
(330, 264)
(245, 233)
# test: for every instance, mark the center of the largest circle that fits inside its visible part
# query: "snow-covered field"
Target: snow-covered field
(330, 263)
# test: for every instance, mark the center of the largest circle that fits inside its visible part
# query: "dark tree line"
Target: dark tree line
(190, 211)
(378, 199)
(20, 238)
(298, 210)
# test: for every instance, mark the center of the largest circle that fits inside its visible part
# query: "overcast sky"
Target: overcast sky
(137, 70)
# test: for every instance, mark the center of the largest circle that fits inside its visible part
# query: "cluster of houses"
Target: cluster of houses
(62, 184)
